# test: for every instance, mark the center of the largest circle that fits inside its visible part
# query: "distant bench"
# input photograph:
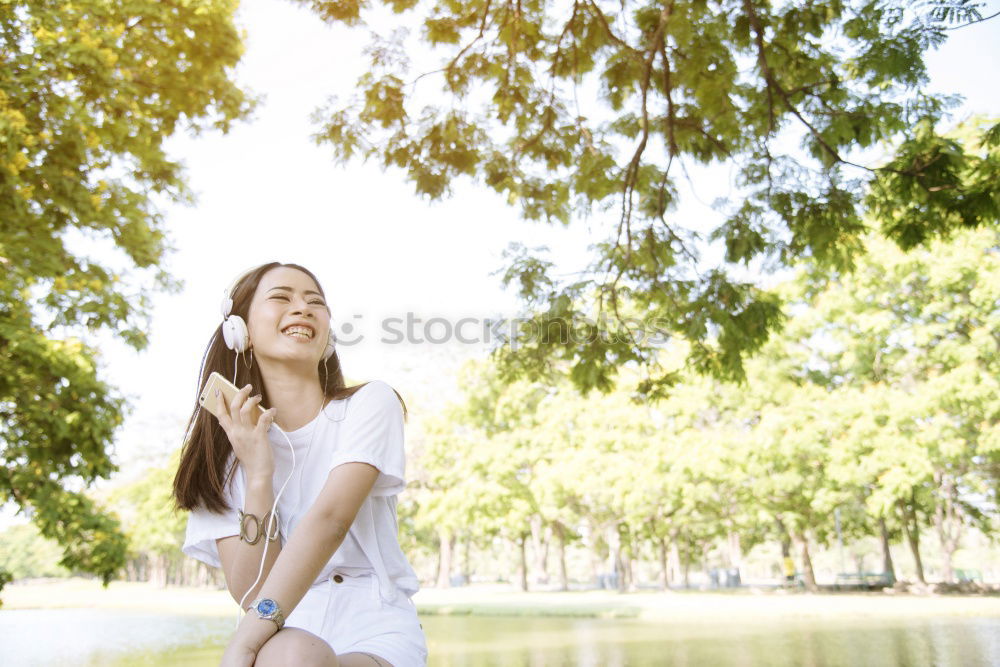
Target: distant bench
(862, 581)
(962, 576)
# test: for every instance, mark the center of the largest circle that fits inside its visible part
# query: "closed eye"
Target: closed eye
(284, 297)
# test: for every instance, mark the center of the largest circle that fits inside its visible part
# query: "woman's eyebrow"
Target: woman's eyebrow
(289, 289)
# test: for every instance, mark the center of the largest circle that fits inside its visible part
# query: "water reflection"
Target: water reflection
(74, 637)
(79, 637)
(806, 642)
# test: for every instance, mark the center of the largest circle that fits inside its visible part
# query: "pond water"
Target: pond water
(82, 637)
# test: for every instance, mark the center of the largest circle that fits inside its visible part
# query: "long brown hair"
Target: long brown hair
(202, 474)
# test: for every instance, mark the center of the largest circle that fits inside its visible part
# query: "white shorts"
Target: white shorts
(351, 616)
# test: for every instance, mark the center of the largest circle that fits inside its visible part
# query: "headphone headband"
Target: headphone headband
(227, 299)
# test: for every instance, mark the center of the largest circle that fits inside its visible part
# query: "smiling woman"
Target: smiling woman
(323, 560)
(289, 318)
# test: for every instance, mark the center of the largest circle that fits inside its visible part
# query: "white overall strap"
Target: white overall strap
(364, 530)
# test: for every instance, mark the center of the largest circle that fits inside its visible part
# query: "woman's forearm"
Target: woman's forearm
(246, 565)
(310, 547)
(316, 538)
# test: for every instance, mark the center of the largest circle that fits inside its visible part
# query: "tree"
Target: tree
(25, 553)
(921, 329)
(154, 527)
(590, 108)
(445, 489)
(89, 92)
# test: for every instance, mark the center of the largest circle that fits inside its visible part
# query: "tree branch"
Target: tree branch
(611, 33)
(979, 20)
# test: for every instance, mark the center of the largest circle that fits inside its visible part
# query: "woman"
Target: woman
(328, 581)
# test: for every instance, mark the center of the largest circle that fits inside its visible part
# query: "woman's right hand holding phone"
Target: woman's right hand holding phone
(250, 442)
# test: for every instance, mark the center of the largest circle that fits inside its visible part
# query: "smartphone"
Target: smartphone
(216, 404)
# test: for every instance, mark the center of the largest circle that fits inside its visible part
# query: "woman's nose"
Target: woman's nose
(302, 309)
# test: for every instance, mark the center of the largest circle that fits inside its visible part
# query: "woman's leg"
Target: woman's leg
(362, 660)
(295, 646)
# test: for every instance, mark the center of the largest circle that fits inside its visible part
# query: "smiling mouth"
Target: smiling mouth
(300, 333)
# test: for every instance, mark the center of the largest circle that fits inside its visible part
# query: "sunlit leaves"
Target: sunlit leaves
(933, 186)
(89, 92)
(595, 109)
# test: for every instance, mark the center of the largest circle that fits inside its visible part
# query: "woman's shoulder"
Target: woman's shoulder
(375, 392)
(374, 397)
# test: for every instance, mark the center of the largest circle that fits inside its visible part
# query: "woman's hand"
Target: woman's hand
(250, 636)
(238, 656)
(250, 443)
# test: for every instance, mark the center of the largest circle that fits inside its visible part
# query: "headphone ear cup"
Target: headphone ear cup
(236, 334)
(331, 344)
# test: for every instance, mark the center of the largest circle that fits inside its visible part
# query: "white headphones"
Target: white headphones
(234, 329)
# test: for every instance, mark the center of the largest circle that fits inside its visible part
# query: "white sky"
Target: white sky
(267, 192)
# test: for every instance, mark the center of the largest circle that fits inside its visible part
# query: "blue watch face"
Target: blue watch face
(267, 607)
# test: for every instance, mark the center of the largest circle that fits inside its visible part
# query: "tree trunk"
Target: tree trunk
(466, 564)
(912, 531)
(946, 523)
(593, 542)
(560, 534)
(447, 542)
(787, 563)
(735, 558)
(595, 565)
(675, 561)
(205, 576)
(614, 562)
(617, 562)
(547, 539)
(887, 566)
(522, 563)
(628, 580)
(735, 550)
(160, 571)
(664, 576)
(539, 550)
(440, 560)
(808, 575)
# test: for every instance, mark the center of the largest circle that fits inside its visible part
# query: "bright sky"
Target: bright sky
(267, 192)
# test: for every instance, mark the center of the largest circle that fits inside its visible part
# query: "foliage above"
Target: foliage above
(89, 92)
(589, 108)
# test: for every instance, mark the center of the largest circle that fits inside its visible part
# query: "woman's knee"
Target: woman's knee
(295, 646)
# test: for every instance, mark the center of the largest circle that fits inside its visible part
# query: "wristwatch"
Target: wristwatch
(268, 609)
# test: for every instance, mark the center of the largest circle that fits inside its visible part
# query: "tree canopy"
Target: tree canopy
(879, 401)
(601, 109)
(89, 92)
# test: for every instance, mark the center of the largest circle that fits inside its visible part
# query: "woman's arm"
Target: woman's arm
(315, 539)
(240, 560)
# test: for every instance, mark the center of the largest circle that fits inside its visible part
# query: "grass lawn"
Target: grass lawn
(498, 600)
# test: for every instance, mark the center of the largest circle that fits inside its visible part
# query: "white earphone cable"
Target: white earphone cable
(270, 523)
(271, 516)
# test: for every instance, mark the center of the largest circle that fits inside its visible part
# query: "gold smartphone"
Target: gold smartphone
(227, 390)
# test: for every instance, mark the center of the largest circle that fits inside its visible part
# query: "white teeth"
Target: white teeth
(298, 332)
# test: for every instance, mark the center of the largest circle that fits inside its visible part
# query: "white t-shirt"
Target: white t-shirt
(366, 428)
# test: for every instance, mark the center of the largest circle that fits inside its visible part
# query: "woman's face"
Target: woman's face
(288, 319)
